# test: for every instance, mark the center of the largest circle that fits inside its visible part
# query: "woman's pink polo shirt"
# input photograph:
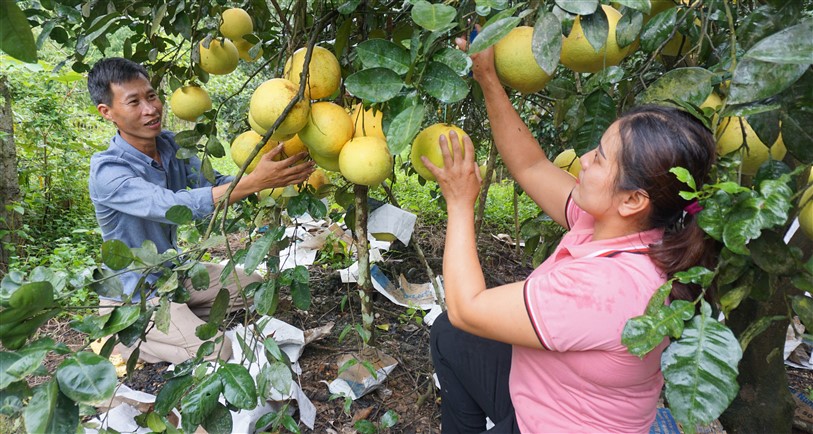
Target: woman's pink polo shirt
(578, 301)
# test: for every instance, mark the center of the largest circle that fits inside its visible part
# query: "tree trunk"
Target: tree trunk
(9, 186)
(764, 403)
(365, 284)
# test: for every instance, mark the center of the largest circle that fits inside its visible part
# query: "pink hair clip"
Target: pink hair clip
(693, 207)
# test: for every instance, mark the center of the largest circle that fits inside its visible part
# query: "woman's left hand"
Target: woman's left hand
(459, 178)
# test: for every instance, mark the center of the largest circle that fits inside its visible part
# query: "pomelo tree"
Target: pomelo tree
(398, 57)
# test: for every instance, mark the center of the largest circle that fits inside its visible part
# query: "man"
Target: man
(139, 178)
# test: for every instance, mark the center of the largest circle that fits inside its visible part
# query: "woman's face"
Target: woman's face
(595, 192)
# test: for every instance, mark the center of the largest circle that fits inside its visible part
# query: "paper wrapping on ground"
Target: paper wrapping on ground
(357, 380)
(389, 219)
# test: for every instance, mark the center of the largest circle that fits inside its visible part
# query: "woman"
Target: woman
(545, 355)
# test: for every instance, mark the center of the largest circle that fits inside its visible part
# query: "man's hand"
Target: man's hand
(268, 174)
(271, 174)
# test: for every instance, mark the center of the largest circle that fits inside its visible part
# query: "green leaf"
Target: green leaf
(50, 411)
(13, 397)
(301, 292)
(792, 45)
(33, 295)
(169, 395)
(797, 129)
(732, 299)
(657, 30)
(599, 114)
(179, 214)
(238, 386)
(755, 80)
(121, 318)
(432, 16)
(374, 84)
(491, 34)
(684, 176)
(162, 315)
(455, 59)
(692, 85)
(596, 28)
(364, 426)
(404, 127)
(756, 328)
(443, 83)
(375, 53)
(389, 419)
(281, 377)
(639, 5)
(546, 44)
(17, 366)
(87, 378)
(116, 254)
(770, 253)
(700, 370)
(199, 276)
(16, 37)
(643, 333)
(202, 399)
(629, 27)
(131, 334)
(765, 125)
(257, 252)
(578, 7)
(698, 275)
(266, 298)
(803, 307)
(658, 299)
(218, 421)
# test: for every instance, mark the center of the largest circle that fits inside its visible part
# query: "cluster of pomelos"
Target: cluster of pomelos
(517, 69)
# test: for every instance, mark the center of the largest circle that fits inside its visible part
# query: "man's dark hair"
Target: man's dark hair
(112, 70)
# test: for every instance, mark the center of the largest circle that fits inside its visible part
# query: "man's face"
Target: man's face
(135, 110)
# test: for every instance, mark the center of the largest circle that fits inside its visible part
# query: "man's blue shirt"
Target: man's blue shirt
(132, 194)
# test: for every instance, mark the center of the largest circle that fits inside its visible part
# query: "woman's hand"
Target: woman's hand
(459, 178)
(482, 63)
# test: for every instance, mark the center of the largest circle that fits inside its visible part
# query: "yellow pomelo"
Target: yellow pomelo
(368, 124)
(242, 50)
(242, 146)
(729, 139)
(484, 169)
(713, 101)
(328, 162)
(255, 126)
(236, 23)
(325, 74)
(365, 161)
(426, 144)
(515, 63)
(272, 192)
(568, 161)
(328, 128)
(219, 58)
(293, 146)
(806, 213)
(189, 102)
(318, 178)
(580, 56)
(270, 99)
(678, 46)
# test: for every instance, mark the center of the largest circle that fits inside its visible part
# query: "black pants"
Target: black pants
(473, 374)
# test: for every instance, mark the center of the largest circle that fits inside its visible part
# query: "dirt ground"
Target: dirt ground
(409, 389)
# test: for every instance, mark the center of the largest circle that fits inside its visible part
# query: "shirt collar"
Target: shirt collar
(119, 142)
(634, 242)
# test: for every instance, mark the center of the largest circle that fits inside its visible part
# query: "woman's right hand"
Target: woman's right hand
(482, 63)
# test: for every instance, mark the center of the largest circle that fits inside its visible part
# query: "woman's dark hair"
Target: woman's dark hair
(112, 70)
(655, 139)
